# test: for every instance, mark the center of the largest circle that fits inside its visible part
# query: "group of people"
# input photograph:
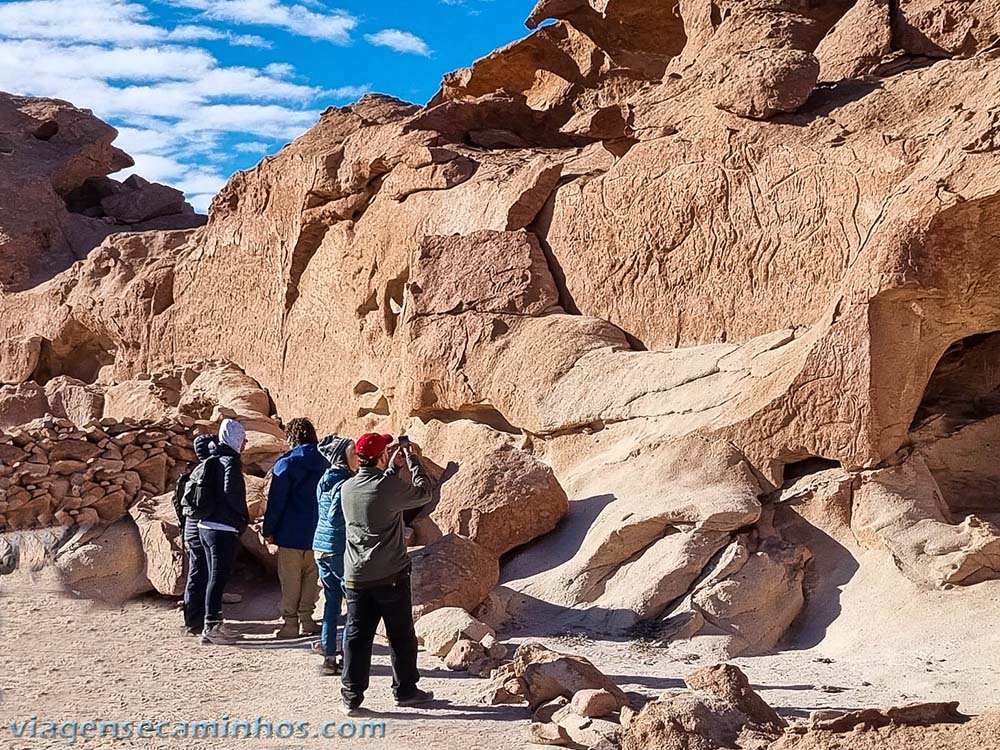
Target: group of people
(335, 511)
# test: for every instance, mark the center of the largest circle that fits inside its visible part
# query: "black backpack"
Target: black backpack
(179, 488)
(200, 490)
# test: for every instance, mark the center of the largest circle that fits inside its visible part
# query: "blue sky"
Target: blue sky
(202, 88)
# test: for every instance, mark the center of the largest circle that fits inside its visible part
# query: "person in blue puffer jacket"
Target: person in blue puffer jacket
(330, 542)
(290, 523)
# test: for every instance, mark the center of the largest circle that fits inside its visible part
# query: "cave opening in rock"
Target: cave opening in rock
(810, 465)
(46, 131)
(965, 384)
(956, 428)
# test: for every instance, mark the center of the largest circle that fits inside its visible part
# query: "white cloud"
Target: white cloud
(401, 41)
(178, 110)
(332, 26)
(191, 33)
(348, 93)
(252, 147)
(32, 61)
(201, 202)
(98, 21)
(280, 70)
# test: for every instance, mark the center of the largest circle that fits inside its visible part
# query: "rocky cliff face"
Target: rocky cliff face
(58, 202)
(687, 253)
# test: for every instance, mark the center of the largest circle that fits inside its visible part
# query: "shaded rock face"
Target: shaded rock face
(658, 255)
(58, 203)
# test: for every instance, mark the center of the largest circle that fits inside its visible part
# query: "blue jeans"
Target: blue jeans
(331, 575)
(197, 577)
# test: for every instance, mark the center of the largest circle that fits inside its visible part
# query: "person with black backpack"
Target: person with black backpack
(218, 500)
(197, 572)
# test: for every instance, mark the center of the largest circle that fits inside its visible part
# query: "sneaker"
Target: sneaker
(234, 634)
(350, 709)
(330, 667)
(217, 635)
(317, 648)
(192, 631)
(417, 699)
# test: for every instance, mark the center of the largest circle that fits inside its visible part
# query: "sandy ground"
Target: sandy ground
(868, 638)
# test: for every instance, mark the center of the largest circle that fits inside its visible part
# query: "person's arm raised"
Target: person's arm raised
(414, 495)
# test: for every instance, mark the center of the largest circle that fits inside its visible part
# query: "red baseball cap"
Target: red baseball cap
(371, 445)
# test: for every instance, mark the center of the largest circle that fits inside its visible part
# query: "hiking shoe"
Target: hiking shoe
(416, 699)
(350, 709)
(287, 631)
(311, 628)
(234, 634)
(330, 667)
(216, 635)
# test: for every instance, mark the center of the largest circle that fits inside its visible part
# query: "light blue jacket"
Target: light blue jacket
(331, 530)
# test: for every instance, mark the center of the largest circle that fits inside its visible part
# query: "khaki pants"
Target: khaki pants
(299, 579)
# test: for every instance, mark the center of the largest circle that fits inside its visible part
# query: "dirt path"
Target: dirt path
(67, 659)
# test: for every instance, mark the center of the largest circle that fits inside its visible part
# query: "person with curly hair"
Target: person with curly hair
(290, 523)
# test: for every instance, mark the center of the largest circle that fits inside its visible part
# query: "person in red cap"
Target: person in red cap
(377, 568)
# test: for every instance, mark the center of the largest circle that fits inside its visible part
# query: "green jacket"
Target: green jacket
(373, 502)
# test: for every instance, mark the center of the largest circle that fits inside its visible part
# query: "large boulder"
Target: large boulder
(20, 404)
(501, 499)
(72, 399)
(105, 563)
(544, 674)
(902, 509)
(746, 600)
(452, 572)
(720, 711)
(140, 200)
(763, 83)
(858, 43)
(161, 535)
(439, 630)
(151, 398)
(18, 359)
(669, 508)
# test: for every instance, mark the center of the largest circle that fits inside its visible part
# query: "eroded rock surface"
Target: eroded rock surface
(58, 202)
(663, 256)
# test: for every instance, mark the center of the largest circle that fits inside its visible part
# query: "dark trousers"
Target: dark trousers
(365, 608)
(220, 551)
(197, 578)
(331, 575)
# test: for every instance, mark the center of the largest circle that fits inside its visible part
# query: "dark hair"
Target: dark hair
(365, 461)
(300, 431)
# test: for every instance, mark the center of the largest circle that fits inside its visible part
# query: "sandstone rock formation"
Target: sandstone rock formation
(721, 711)
(452, 572)
(541, 674)
(441, 629)
(160, 531)
(674, 258)
(104, 563)
(58, 202)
